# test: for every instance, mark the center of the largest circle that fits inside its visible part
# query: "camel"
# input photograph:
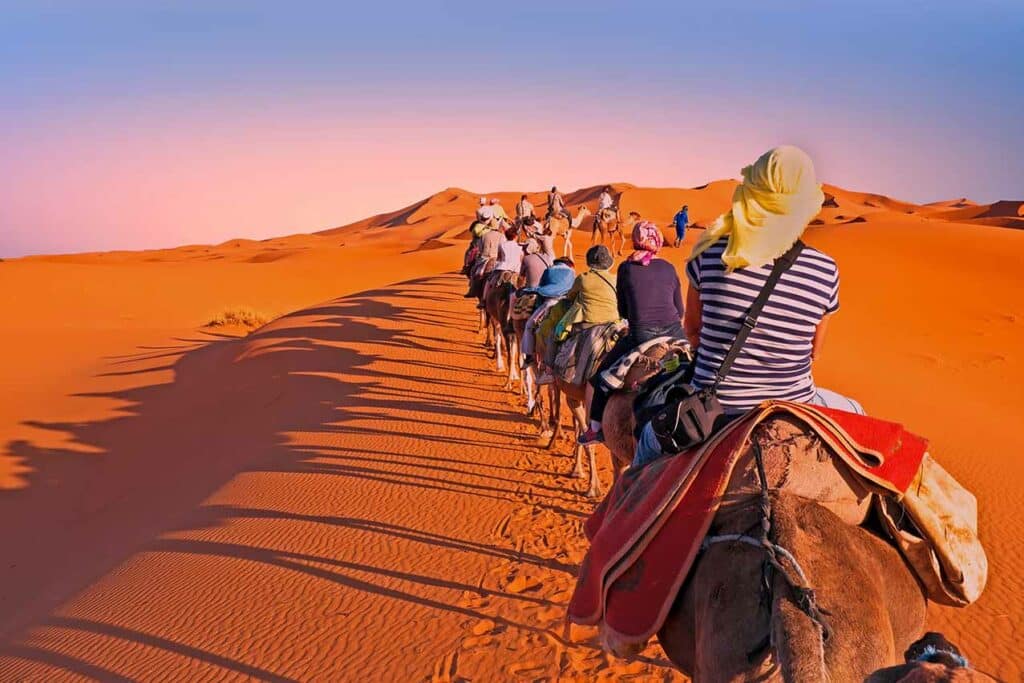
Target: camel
(723, 627)
(497, 305)
(610, 222)
(575, 396)
(560, 226)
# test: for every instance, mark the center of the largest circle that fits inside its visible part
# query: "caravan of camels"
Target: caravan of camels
(758, 525)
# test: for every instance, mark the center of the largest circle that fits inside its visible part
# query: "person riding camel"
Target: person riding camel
(524, 209)
(547, 242)
(771, 208)
(681, 220)
(498, 211)
(489, 242)
(556, 204)
(554, 284)
(484, 212)
(605, 201)
(509, 260)
(595, 291)
(650, 299)
(535, 262)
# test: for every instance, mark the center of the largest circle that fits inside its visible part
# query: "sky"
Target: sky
(127, 125)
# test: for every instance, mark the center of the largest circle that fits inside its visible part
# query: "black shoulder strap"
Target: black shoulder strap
(781, 265)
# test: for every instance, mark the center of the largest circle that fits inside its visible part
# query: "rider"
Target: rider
(484, 213)
(524, 209)
(594, 290)
(605, 201)
(510, 259)
(556, 204)
(649, 298)
(489, 243)
(681, 220)
(535, 262)
(497, 210)
(778, 197)
(554, 284)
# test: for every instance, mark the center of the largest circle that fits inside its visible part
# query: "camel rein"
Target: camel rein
(805, 598)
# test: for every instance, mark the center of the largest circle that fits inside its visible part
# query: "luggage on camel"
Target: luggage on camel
(690, 416)
(935, 527)
(524, 305)
(546, 346)
(614, 378)
(581, 354)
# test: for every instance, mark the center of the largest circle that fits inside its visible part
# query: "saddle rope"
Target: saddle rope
(804, 594)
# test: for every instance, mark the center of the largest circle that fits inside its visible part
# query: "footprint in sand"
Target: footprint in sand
(523, 583)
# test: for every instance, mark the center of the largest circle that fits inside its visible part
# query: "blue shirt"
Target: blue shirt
(682, 219)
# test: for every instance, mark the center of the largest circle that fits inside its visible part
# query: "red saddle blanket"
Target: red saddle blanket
(647, 532)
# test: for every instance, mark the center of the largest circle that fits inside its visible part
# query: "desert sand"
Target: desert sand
(347, 494)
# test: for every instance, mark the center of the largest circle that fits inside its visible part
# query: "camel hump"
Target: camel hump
(797, 461)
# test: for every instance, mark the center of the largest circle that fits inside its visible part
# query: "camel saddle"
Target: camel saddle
(524, 305)
(646, 534)
(581, 354)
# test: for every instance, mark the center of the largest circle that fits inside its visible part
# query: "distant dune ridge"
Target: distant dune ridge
(188, 502)
(431, 218)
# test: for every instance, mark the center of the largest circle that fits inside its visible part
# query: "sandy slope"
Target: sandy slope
(347, 494)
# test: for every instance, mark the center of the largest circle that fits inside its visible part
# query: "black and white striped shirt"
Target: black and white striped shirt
(775, 361)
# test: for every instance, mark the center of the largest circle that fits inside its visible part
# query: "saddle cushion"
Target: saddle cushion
(524, 306)
(581, 354)
(646, 534)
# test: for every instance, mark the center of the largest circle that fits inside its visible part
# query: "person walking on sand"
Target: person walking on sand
(771, 208)
(681, 220)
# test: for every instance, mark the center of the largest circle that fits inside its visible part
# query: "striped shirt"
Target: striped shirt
(775, 361)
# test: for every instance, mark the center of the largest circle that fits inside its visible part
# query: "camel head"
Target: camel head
(580, 215)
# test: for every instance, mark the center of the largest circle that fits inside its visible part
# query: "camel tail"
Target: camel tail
(796, 638)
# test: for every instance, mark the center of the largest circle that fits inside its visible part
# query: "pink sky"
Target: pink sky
(139, 178)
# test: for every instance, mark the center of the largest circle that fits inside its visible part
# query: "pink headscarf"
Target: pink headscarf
(647, 241)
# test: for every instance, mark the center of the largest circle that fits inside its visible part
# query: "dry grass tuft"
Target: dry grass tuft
(239, 317)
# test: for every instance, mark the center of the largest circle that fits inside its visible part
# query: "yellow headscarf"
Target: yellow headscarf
(771, 208)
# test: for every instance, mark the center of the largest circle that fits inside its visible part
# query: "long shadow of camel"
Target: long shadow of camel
(229, 410)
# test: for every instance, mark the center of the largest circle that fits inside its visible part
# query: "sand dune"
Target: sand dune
(347, 493)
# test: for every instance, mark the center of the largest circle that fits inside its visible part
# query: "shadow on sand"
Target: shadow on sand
(230, 410)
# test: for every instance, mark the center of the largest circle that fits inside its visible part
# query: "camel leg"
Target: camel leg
(514, 359)
(529, 389)
(567, 249)
(594, 487)
(482, 321)
(499, 359)
(554, 415)
(513, 363)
